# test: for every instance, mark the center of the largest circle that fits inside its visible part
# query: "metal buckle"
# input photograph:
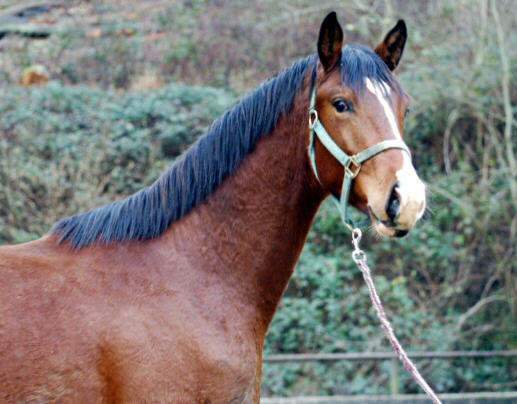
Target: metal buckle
(352, 167)
(312, 114)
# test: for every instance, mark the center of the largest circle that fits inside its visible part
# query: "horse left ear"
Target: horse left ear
(330, 41)
(390, 50)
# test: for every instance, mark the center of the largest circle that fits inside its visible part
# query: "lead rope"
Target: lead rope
(359, 258)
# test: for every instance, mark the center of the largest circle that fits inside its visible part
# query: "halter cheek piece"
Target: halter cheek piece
(351, 163)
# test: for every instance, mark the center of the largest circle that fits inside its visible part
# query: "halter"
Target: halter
(351, 163)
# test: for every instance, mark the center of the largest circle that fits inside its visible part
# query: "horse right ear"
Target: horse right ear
(390, 50)
(330, 41)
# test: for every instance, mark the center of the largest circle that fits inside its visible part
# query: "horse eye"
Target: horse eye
(408, 111)
(343, 105)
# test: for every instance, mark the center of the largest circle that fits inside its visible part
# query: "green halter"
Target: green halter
(351, 163)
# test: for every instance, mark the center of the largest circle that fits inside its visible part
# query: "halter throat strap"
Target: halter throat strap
(351, 163)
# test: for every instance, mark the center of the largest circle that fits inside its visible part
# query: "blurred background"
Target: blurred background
(97, 98)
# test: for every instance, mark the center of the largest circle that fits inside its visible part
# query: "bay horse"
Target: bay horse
(166, 296)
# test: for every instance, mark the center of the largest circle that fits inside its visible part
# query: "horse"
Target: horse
(167, 295)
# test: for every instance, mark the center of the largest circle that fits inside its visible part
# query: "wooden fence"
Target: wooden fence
(458, 398)
(394, 375)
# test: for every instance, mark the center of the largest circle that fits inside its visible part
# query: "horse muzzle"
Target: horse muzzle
(404, 206)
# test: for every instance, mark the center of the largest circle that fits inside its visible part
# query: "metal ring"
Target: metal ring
(313, 114)
(358, 256)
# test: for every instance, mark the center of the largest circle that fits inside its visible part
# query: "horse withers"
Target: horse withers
(166, 296)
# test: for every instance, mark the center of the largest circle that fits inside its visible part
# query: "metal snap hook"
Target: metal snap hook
(356, 235)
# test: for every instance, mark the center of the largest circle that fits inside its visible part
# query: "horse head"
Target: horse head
(361, 106)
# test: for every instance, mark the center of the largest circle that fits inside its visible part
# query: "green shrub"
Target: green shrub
(65, 150)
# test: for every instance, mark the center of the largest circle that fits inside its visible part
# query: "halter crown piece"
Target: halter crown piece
(351, 163)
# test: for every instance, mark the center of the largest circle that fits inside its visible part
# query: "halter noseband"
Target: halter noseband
(351, 163)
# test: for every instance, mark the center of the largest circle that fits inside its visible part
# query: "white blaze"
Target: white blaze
(381, 91)
(410, 189)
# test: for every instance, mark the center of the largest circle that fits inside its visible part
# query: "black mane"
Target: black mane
(213, 158)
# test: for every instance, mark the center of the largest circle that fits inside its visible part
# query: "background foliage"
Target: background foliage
(107, 125)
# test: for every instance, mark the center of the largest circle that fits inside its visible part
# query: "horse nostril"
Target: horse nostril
(393, 205)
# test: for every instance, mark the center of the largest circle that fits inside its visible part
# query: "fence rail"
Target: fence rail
(394, 373)
(387, 355)
(457, 398)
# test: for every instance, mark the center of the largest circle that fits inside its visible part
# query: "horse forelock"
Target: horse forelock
(359, 63)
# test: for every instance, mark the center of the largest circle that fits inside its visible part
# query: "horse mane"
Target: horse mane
(213, 157)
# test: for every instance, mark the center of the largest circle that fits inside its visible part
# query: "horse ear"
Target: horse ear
(390, 50)
(330, 41)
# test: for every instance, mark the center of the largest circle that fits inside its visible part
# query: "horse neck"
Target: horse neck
(252, 229)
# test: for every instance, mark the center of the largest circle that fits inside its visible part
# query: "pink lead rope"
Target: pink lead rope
(359, 258)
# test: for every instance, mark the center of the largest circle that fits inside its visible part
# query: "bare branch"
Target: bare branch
(505, 85)
(477, 307)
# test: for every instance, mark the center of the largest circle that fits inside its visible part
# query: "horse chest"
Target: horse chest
(175, 359)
